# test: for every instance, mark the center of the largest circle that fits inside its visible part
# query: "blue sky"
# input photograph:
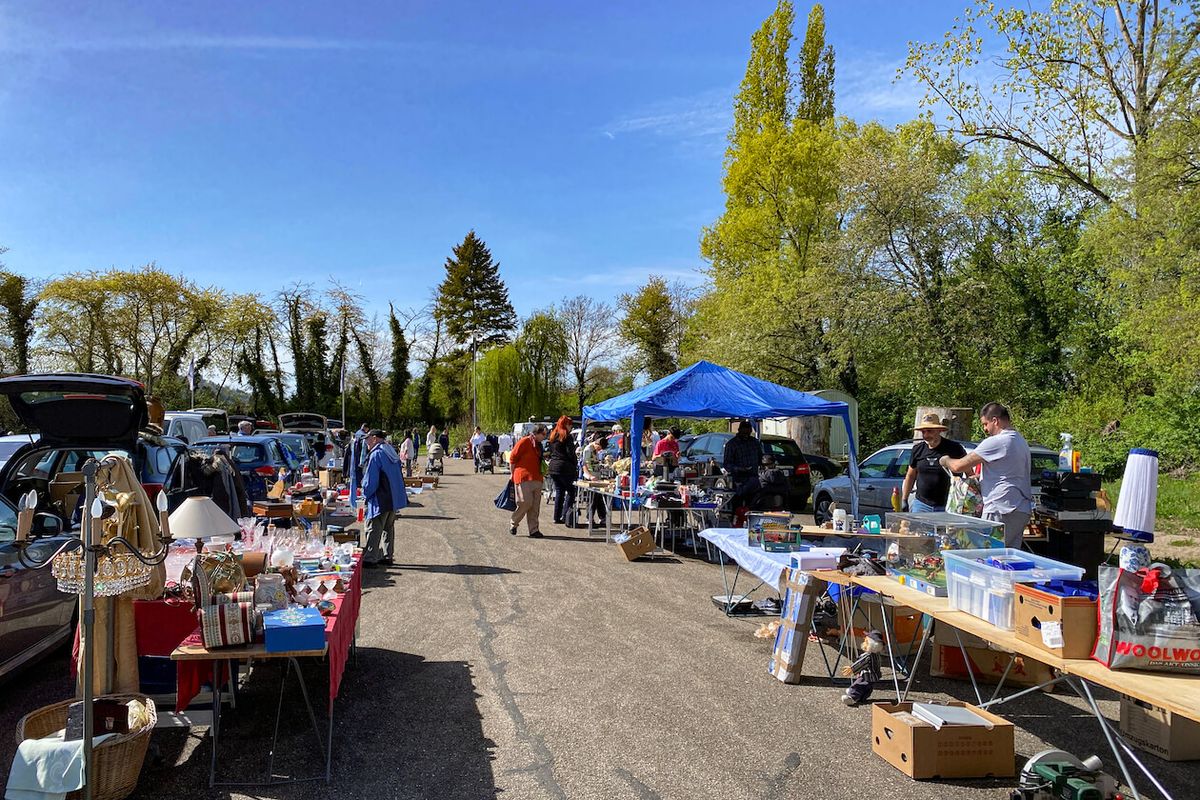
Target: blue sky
(251, 144)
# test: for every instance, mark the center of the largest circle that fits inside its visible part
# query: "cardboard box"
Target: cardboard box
(947, 661)
(919, 750)
(331, 477)
(640, 542)
(1075, 615)
(800, 592)
(1160, 732)
(294, 629)
(904, 623)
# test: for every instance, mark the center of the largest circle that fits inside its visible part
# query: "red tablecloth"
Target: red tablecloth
(339, 634)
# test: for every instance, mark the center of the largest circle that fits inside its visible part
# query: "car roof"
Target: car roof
(255, 439)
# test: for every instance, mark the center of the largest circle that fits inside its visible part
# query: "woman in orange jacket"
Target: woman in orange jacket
(526, 463)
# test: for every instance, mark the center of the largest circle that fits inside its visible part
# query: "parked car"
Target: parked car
(186, 425)
(884, 470)
(12, 443)
(297, 444)
(822, 467)
(77, 417)
(705, 447)
(34, 616)
(258, 458)
(217, 417)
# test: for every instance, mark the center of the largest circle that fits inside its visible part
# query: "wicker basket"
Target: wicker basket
(116, 762)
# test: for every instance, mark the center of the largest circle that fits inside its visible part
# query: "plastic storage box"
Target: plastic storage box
(916, 559)
(977, 587)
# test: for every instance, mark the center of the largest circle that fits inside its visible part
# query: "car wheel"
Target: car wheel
(821, 512)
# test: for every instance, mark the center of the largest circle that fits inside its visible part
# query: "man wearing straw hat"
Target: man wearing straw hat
(925, 473)
(1007, 489)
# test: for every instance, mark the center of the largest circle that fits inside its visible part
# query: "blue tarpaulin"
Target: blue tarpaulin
(708, 391)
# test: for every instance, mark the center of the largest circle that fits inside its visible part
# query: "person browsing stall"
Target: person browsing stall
(592, 457)
(1005, 482)
(527, 478)
(384, 495)
(925, 473)
(666, 451)
(564, 469)
(741, 458)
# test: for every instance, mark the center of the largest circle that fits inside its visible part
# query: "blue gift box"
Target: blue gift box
(294, 629)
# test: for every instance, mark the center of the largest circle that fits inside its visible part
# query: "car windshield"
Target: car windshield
(785, 451)
(8, 523)
(8, 448)
(246, 453)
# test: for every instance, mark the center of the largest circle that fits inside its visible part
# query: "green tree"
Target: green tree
(652, 327)
(19, 304)
(1083, 87)
(766, 253)
(399, 378)
(472, 301)
(815, 76)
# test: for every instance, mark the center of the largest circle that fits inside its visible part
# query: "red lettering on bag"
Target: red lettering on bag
(1195, 655)
(1154, 652)
(1180, 654)
(1139, 651)
(1123, 648)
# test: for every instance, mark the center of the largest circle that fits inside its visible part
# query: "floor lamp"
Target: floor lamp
(90, 568)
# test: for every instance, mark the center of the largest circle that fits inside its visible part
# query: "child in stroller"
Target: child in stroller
(485, 457)
(434, 465)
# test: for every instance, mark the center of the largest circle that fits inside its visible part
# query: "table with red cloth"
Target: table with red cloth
(340, 626)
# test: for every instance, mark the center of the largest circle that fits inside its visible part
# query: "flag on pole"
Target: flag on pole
(192, 374)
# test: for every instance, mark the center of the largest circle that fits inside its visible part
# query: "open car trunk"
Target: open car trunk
(79, 410)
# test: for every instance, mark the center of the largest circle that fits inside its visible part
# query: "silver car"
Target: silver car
(883, 471)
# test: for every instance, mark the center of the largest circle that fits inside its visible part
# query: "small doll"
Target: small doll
(865, 669)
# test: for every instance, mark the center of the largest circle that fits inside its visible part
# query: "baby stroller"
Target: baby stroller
(485, 458)
(434, 465)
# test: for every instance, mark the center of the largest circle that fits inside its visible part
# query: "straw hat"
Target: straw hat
(930, 422)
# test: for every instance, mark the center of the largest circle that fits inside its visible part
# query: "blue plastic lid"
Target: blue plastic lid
(1142, 451)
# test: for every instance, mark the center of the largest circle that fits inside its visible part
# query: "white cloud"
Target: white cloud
(703, 116)
(867, 88)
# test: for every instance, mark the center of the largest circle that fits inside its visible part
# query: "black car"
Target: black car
(699, 453)
(77, 417)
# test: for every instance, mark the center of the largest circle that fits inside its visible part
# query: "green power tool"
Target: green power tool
(1055, 775)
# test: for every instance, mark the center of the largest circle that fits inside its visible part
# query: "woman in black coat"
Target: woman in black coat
(564, 469)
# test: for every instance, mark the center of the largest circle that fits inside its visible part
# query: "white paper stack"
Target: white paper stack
(938, 715)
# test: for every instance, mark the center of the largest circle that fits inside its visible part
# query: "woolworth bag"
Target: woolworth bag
(1149, 619)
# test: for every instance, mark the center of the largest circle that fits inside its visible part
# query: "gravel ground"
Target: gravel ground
(492, 665)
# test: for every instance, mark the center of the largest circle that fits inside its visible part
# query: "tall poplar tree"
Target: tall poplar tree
(815, 77)
(400, 377)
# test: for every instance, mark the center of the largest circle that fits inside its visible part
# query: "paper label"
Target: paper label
(1052, 634)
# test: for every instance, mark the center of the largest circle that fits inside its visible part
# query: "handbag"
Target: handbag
(965, 496)
(1149, 619)
(507, 499)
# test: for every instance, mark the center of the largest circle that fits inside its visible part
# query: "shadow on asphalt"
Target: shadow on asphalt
(458, 569)
(404, 727)
(404, 516)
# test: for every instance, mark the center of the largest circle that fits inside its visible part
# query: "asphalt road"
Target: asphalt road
(500, 666)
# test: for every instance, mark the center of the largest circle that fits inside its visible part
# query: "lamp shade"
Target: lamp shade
(201, 518)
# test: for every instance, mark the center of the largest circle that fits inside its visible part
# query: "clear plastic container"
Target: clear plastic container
(987, 592)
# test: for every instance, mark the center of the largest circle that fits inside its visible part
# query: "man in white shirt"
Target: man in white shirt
(1005, 482)
(505, 446)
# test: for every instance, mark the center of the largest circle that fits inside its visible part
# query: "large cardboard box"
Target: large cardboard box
(1158, 731)
(988, 666)
(919, 750)
(904, 622)
(800, 592)
(639, 543)
(1076, 617)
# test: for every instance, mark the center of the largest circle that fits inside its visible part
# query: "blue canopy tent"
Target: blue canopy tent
(707, 391)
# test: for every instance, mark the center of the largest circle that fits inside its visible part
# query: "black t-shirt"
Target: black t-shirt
(933, 484)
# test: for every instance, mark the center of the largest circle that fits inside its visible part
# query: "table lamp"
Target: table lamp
(200, 518)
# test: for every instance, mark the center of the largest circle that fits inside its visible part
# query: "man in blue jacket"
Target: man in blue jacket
(383, 496)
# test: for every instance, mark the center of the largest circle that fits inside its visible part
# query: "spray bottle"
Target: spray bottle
(1066, 455)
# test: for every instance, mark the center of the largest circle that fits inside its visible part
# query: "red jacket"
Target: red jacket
(526, 460)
